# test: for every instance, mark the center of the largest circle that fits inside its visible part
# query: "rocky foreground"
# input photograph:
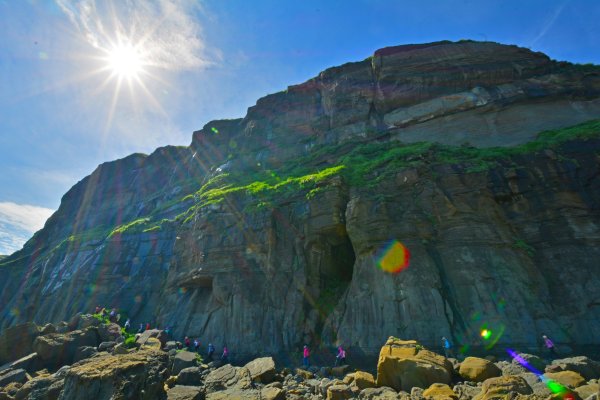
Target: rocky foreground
(88, 359)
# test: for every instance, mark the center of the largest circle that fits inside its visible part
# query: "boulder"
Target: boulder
(152, 333)
(84, 352)
(304, 374)
(46, 387)
(12, 376)
(118, 377)
(585, 391)
(532, 360)
(439, 391)
(87, 320)
(466, 391)
(262, 369)
(272, 393)
(109, 332)
(508, 368)
(498, 388)
(380, 393)
(234, 393)
(585, 366)
(121, 348)
(171, 345)
(17, 341)
(183, 359)
(340, 371)
(227, 377)
(402, 365)
(338, 392)
(185, 393)
(106, 346)
(569, 379)
(364, 380)
(478, 369)
(59, 349)
(191, 376)
(48, 329)
(29, 363)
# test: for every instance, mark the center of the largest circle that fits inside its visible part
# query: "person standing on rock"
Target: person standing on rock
(187, 342)
(211, 351)
(447, 347)
(306, 354)
(147, 326)
(127, 325)
(340, 358)
(141, 329)
(549, 345)
(196, 345)
(225, 356)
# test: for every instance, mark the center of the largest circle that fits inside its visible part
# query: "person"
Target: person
(141, 329)
(98, 309)
(187, 342)
(306, 354)
(225, 356)
(211, 351)
(340, 358)
(147, 326)
(447, 347)
(127, 325)
(196, 345)
(113, 315)
(549, 345)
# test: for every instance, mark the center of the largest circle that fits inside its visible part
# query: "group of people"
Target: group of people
(195, 346)
(449, 352)
(340, 358)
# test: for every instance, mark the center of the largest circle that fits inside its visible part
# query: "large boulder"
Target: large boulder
(478, 369)
(272, 393)
(44, 387)
(17, 342)
(227, 377)
(138, 375)
(185, 393)
(29, 363)
(532, 360)
(585, 366)
(12, 376)
(59, 349)
(191, 376)
(498, 388)
(109, 332)
(569, 379)
(152, 333)
(183, 359)
(363, 380)
(439, 391)
(262, 369)
(339, 392)
(588, 390)
(403, 365)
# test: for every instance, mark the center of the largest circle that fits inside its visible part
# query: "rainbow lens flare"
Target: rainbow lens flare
(215, 130)
(486, 334)
(393, 258)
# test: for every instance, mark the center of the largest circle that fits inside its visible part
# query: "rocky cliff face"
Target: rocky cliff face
(265, 232)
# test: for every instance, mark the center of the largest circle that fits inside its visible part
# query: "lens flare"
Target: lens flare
(393, 258)
(486, 334)
(215, 130)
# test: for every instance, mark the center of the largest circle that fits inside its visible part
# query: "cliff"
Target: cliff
(265, 233)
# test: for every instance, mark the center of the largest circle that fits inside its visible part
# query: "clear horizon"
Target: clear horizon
(63, 112)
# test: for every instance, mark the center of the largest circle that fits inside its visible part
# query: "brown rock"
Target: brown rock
(262, 369)
(569, 379)
(272, 393)
(439, 391)
(498, 388)
(585, 391)
(338, 392)
(185, 393)
(364, 380)
(478, 369)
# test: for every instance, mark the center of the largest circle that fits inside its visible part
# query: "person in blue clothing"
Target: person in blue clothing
(211, 351)
(447, 347)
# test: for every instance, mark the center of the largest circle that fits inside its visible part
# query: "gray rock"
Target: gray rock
(17, 342)
(585, 366)
(191, 376)
(106, 346)
(183, 359)
(381, 393)
(262, 369)
(47, 329)
(58, 349)
(29, 363)
(227, 377)
(185, 393)
(416, 393)
(84, 352)
(12, 376)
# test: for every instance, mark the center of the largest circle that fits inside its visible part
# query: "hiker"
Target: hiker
(113, 315)
(98, 309)
(147, 326)
(127, 325)
(141, 329)
(211, 351)
(225, 356)
(306, 354)
(196, 345)
(549, 345)
(447, 347)
(187, 343)
(340, 358)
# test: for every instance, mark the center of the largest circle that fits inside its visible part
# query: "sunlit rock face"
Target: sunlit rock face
(512, 247)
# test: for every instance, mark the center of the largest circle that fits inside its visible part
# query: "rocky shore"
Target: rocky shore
(87, 358)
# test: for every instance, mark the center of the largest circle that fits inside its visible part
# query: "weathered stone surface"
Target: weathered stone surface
(403, 366)
(569, 379)
(497, 388)
(439, 391)
(29, 363)
(59, 349)
(340, 371)
(585, 391)
(12, 376)
(227, 377)
(381, 393)
(474, 226)
(338, 392)
(262, 369)
(183, 359)
(139, 375)
(185, 393)
(106, 346)
(272, 393)
(363, 380)
(109, 332)
(152, 333)
(466, 391)
(585, 366)
(17, 342)
(478, 369)
(47, 387)
(191, 376)
(304, 373)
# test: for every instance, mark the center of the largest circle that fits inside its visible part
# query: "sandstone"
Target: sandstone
(29, 363)
(234, 393)
(381, 393)
(9, 391)
(439, 391)
(185, 393)
(152, 333)
(304, 373)
(183, 359)
(569, 379)
(402, 366)
(465, 391)
(17, 342)
(585, 366)
(191, 376)
(340, 371)
(227, 377)
(364, 380)
(58, 349)
(585, 391)
(478, 369)
(532, 360)
(12, 376)
(272, 393)
(498, 388)
(106, 346)
(109, 332)
(262, 369)
(338, 392)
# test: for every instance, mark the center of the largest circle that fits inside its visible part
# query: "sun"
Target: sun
(125, 61)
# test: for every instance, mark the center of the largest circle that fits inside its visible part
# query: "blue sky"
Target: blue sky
(61, 116)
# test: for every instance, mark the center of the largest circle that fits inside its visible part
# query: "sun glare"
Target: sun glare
(125, 61)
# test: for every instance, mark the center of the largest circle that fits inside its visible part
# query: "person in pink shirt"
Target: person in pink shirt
(306, 355)
(549, 345)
